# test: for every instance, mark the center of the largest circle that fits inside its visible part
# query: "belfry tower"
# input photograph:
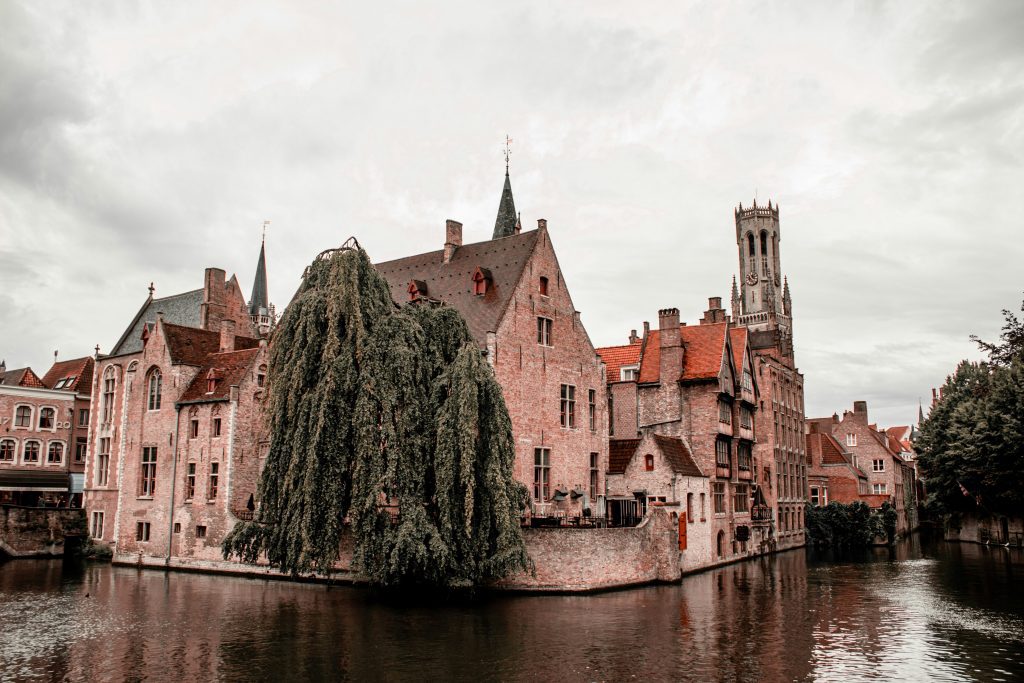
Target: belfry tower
(762, 303)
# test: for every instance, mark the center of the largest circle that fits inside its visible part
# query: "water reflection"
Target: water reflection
(938, 612)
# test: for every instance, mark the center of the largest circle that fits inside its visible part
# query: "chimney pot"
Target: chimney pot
(632, 337)
(542, 223)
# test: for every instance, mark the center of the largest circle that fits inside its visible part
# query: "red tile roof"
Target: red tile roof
(191, 345)
(617, 356)
(825, 447)
(80, 369)
(22, 377)
(677, 455)
(704, 353)
(229, 368)
(738, 337)
(620, 452)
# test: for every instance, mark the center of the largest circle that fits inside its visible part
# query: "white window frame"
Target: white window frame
(63, 450)
(879, 490)
(851, 439)
(31, 416)
(14, 449)
(629, 373)
(39, 453)
(96, 525)
(39, 418)
(878, 465)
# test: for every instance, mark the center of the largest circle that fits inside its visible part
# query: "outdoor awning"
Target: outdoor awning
(34, 480)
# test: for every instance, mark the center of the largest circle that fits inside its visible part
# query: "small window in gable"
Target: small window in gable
(211, 381)
(481, 281)
(649, 462)
(543, 286)
(417, 290)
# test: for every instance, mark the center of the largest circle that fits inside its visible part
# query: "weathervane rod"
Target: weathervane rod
(508, 151)
(265, 224)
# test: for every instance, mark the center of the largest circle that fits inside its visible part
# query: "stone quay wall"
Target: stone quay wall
(37, 532)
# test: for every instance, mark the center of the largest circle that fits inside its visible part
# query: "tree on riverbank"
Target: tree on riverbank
(389, 419)
(971, 447)
(849, 525)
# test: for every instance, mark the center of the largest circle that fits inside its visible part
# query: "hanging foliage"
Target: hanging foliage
(392, 419)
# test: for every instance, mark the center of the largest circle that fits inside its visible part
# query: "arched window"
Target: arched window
(23, 416)
(109, 382)
(764, 253)
(46, 418)
(55, 453)
(155, 389)
(689, 507)
(30, 452)
(750, 244)
(7, 449)
(720, 544)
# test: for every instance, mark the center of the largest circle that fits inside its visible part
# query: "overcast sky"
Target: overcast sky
(145, 141)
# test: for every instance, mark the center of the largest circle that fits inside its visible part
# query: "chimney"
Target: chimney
(715, 312)
(671, 351)
(214, 305)
(3, 366)
(227, 335)
(812, 427)
(860, 411)
(452, 238)
(542, 223)
(633, 339)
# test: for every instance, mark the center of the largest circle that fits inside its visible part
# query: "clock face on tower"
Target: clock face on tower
(751, 278)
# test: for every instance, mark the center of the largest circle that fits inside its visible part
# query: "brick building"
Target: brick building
(176, 434)
(686, 396)
(831, 474)
(762, 304)
(43, 427)
(878, 456)
(512, 293)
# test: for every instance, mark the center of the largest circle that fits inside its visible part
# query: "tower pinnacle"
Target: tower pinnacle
(260, 310)
(505, 223)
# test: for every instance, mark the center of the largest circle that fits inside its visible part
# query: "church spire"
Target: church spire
(507, 222)
(261, 312)
(736, 305)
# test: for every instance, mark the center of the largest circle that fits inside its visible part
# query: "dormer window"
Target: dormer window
(417, 290)
(481, 281)
(211, 381)
(628, 373)
(543, 286)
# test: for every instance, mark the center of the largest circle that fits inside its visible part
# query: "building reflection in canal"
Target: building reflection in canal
(889, 614)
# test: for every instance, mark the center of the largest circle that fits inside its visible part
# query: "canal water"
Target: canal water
(928, 612)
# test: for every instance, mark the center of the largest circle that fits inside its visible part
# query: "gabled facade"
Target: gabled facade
(148, 419)
(831, 474)
(513, 295)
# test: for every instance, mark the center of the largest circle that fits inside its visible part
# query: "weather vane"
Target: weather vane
(265, 224)
(508, 151)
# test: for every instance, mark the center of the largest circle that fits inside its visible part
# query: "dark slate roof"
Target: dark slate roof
(620, 452)
(191, 345)
(452, 282)
(678, 456)
(179, 309)
(260, 300)
(21, 377)
(505, 223)
(80, 369)
(229, 368)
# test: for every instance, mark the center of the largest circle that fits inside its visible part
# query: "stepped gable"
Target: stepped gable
(620, 452)
(191, 345)
(677, 455)
(704, 346)
(21, 377)
(228, 368)
(180, 309)
(79, 370)
(452, 282)
(615, 357)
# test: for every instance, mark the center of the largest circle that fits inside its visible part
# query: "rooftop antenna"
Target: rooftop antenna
(508, 151)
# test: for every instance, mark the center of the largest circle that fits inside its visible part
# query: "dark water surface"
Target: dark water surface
(919, 612)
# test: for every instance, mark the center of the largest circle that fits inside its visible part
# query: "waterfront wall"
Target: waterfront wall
(37, 532)
(999, 530)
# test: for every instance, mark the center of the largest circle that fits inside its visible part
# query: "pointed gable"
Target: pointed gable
(677, 455)
(22, 377)
(704, 348)
(70, 375)
(179, 309)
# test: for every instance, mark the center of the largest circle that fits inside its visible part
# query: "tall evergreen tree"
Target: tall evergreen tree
(391, 418)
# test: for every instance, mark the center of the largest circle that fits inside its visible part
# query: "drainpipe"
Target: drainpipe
(174, 480)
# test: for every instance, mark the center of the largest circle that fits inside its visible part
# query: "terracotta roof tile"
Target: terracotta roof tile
(191, 345)
(677, 455)
(704, 352)
(229, 368)
(22, 377)
(620, 452)
(452, 282)
(79, 369)
(617, 356)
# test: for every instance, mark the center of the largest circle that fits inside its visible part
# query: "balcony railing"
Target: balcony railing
(761, 513)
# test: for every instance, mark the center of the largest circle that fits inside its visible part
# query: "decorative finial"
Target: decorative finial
(151, 290)
(97, 350)
(55, 355)
(508, 151)
(265, 224)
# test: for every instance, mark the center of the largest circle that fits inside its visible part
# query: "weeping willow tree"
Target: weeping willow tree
(390, 419)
